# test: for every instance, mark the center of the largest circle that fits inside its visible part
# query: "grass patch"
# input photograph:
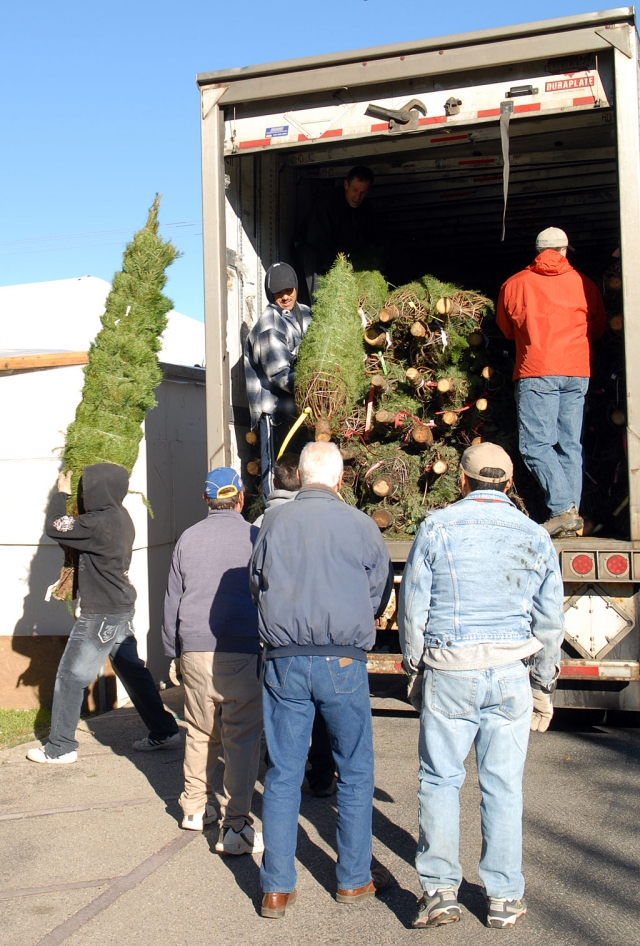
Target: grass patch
(17, 726)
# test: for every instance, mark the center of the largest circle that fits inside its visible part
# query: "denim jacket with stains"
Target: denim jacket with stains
(480, 571)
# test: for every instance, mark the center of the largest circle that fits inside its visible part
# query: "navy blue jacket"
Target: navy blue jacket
(319, 574)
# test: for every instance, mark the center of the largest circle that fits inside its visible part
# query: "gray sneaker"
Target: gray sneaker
(150, 745)
(566, 523)
(246, 841)
(441, 908)
(504, 914)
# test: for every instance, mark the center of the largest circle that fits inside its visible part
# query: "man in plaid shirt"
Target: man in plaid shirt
(270, 352)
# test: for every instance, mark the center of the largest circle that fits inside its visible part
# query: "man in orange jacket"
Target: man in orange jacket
(553, 313)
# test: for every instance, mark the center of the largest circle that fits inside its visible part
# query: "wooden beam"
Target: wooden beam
(54, 359)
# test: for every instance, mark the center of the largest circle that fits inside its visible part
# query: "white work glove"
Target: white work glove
(64, 482)
(174, 672)
(542, 711)
(414, 690)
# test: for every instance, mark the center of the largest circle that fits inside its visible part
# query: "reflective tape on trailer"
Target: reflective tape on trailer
(590, 670)
(545, 94)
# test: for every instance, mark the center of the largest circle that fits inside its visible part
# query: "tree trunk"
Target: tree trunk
(251, 437)
(419, 330)
(382, 518)
(375, 337)
(388, 314)
(422, 434)
(385, 418)
(382, 486)
(440, 467)
(323, 429)
(450, 418)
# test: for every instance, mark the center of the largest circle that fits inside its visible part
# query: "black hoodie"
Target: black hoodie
(103, 535)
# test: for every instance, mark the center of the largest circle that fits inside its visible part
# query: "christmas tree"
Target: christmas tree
(123, 369)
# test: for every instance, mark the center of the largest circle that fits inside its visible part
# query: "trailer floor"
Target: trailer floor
(92, 852)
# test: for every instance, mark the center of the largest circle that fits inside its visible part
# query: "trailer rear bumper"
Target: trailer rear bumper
(590, 671)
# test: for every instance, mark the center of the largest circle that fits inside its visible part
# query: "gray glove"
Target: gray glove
(542, 711)
(414, 690)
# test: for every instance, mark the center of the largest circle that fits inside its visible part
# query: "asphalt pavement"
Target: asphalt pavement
(92, 853)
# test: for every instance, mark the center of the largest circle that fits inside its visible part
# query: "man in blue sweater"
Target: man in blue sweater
(320, 574)
(211, 624)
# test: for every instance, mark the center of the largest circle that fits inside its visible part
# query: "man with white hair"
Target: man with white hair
(553, 313)
(320, 574)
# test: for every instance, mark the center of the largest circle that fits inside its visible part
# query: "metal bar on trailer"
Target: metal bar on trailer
(215, 278)
(454, 60)
(626, 84)
(370, 54)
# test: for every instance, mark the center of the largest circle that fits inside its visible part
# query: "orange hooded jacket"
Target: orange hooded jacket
(554, 313)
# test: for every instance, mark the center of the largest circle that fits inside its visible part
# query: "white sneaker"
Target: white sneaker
(246, 841)
(200, 819)
(39, 755)
(150, 745)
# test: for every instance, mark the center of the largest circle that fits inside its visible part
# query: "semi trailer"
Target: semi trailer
(477, 142)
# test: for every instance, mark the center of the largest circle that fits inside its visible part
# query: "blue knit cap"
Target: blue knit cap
(223, 483)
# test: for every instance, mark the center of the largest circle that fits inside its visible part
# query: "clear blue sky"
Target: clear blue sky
(99, 110)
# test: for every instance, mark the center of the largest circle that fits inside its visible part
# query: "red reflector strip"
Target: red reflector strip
(579, 671)
(436, 141)
(491, 112)
(303, 138)
(477, 161)
(584, 100)
(433, 120)
(332, 133)
(383, 126)
(258, 143)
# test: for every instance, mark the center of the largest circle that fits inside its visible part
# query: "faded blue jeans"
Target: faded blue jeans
(93, 638)
(550, 415)
(339, 687)
(490, 709)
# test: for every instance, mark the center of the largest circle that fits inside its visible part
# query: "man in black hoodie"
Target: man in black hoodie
(103, 535)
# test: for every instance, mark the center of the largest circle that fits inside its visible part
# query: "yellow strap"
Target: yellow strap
(295, 427)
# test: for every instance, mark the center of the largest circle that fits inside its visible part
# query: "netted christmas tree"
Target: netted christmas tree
(330, 367)
(123, 369)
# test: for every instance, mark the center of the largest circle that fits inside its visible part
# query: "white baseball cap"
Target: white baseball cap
(553, 238)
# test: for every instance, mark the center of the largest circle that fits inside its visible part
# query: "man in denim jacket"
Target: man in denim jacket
(481, 598)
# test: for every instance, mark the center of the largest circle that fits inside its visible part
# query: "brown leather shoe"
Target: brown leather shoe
(274, 905)
(380, 880)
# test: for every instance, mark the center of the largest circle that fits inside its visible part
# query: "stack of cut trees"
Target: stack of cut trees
(430, 389)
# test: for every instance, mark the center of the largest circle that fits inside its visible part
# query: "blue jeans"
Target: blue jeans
(93, 638)
(550, 414)
(491, 709)
(293, 687)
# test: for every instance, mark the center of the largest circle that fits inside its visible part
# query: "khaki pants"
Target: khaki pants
(223, 711)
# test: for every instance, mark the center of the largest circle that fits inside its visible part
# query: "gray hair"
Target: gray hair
(320, 463)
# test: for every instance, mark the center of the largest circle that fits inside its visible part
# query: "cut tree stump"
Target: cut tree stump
(422, 434)
(382, 486)
(450, 418)
(445, 385)
(375, 337)
(419, 330)
(444, 306)
(388, 314)
(482, 404)
(382, 518)
(476, 339)
(253, 467)
(251, 437)
(385, 418)
(323, 429)
(440, 467)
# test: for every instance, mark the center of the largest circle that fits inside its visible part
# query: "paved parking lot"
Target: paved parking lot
(93, 854)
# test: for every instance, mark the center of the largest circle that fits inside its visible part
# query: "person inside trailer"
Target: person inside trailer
(553, 313)
(342, 221)
(270, 352)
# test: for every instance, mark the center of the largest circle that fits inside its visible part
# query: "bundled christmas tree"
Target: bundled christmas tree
(330, 369)
(123, 369)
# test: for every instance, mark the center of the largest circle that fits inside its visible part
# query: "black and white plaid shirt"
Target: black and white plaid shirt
(270, 352)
